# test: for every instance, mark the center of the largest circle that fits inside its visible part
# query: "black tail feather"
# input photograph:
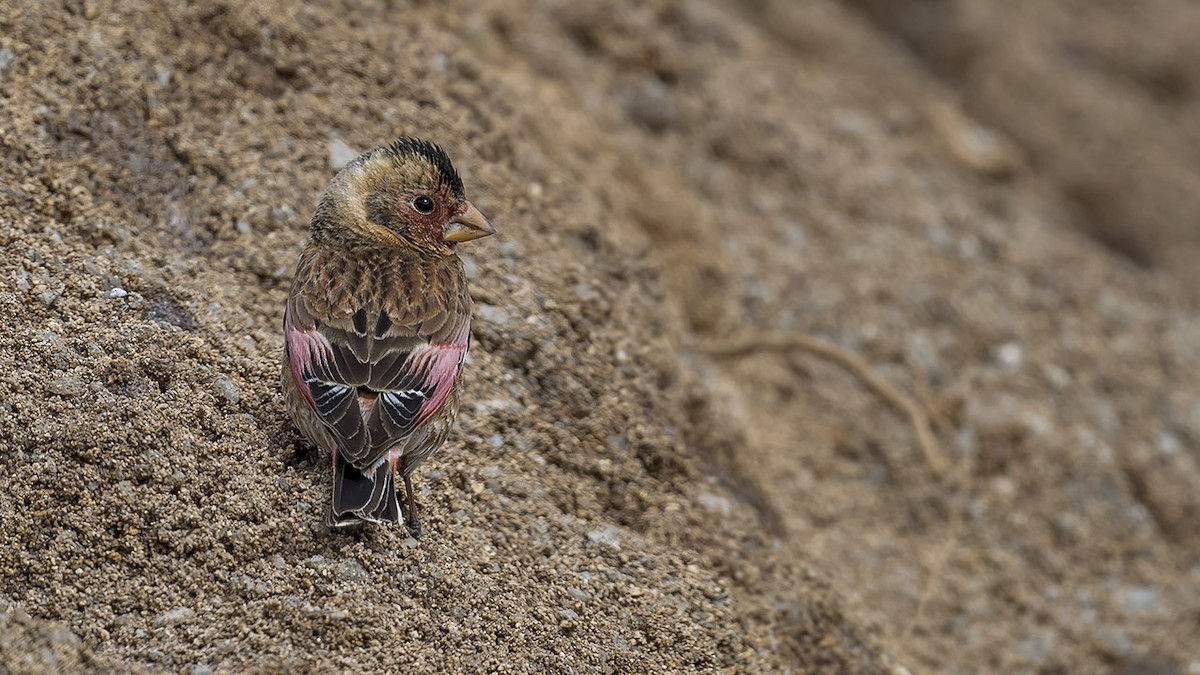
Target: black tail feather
(358, 497)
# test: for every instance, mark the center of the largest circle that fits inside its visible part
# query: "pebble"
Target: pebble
(853, 123)
(228, 389)
(117, 293)
(491, 314)
(173, 616)
(976, 147)
(1138, 598)
(340, 154)
(49, 296)
(609, 536)
(7, 56)
(715, 503)
(469, 265)
(1010, 355)
(584, 291)
(352, 570)
(650, 106)
(1168, 443)
(67, 385)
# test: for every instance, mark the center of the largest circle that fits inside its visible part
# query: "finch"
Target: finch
(378, 322)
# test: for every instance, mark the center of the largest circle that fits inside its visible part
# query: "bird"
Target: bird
(378, 323)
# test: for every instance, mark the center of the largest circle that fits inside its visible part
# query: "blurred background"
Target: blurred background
(818, 336)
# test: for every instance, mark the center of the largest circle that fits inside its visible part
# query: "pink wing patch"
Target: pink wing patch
(304, 346)
(440, 363)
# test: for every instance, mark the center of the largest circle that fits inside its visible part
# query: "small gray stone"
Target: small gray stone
(469, 265)
(117, 292)
(650, 105)
(584, 291)
(1138, 598)
(67, 385)
(7, 56)
(283, 213)
(228, 389)
(173, 616)
(1010, 355)
(715, 503)
(609, 536)
(50, 296)
(352, 570)
(491, 313)
(340, 154)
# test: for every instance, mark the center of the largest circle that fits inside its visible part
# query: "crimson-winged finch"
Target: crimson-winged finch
(378, 322)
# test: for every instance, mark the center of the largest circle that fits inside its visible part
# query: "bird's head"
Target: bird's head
(403, 194)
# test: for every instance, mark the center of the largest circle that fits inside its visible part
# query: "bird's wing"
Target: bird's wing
(376, 373)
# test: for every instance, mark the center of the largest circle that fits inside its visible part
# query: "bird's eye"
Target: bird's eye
(423, 204)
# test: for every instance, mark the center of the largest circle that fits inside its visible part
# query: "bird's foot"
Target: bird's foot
(304, 452)
(414, 528)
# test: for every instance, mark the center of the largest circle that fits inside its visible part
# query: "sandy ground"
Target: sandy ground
(635, 485)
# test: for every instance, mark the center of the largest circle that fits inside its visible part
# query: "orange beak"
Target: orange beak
(466, 225)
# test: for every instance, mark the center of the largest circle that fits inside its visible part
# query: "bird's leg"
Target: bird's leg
(411, 521)
(306, 452)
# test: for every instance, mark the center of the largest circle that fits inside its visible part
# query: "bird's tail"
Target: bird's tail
(359, 497)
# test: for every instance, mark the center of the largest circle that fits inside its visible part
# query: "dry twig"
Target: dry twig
(917, 416)
(854, 363)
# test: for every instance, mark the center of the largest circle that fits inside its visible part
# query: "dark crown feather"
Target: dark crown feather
(415, 147)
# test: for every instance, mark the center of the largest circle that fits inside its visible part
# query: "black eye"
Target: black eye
(423, 204)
